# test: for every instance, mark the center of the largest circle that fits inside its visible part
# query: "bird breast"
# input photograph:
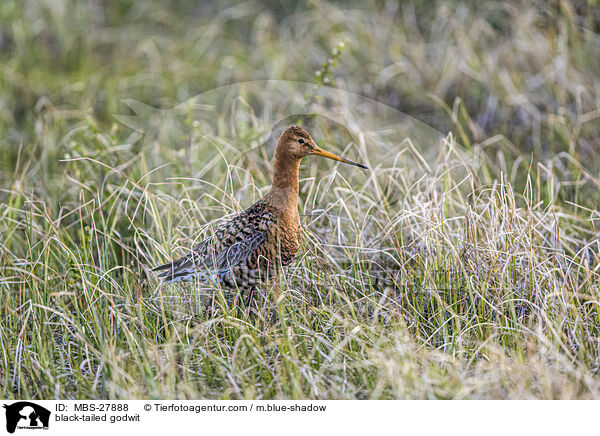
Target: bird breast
(285, 239)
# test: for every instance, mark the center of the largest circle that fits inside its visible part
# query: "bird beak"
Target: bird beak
(320, 152)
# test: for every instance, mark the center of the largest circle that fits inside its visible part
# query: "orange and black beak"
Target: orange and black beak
(320, 152)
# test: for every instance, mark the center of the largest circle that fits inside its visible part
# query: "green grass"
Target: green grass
(415, 280)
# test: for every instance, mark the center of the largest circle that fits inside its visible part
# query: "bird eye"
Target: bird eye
(301, 141)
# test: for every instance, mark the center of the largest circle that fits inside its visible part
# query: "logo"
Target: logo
(26, 415)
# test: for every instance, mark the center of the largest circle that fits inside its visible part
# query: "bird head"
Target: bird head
(297, 142)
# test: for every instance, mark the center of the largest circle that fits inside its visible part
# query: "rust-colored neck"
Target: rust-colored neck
(284, 191)
(285, 171)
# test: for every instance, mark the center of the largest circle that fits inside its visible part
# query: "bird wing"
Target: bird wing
(239, 251)
(232, 244)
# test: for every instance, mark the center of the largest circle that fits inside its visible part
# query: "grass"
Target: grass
(458, 267)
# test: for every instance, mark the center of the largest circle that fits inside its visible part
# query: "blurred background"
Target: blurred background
(526, 71)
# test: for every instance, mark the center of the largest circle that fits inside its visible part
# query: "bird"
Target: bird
(253, 246)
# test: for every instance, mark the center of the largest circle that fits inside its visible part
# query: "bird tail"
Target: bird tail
(168, 265)
(182, 270)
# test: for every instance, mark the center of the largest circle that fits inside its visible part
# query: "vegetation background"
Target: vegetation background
(406, 286)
